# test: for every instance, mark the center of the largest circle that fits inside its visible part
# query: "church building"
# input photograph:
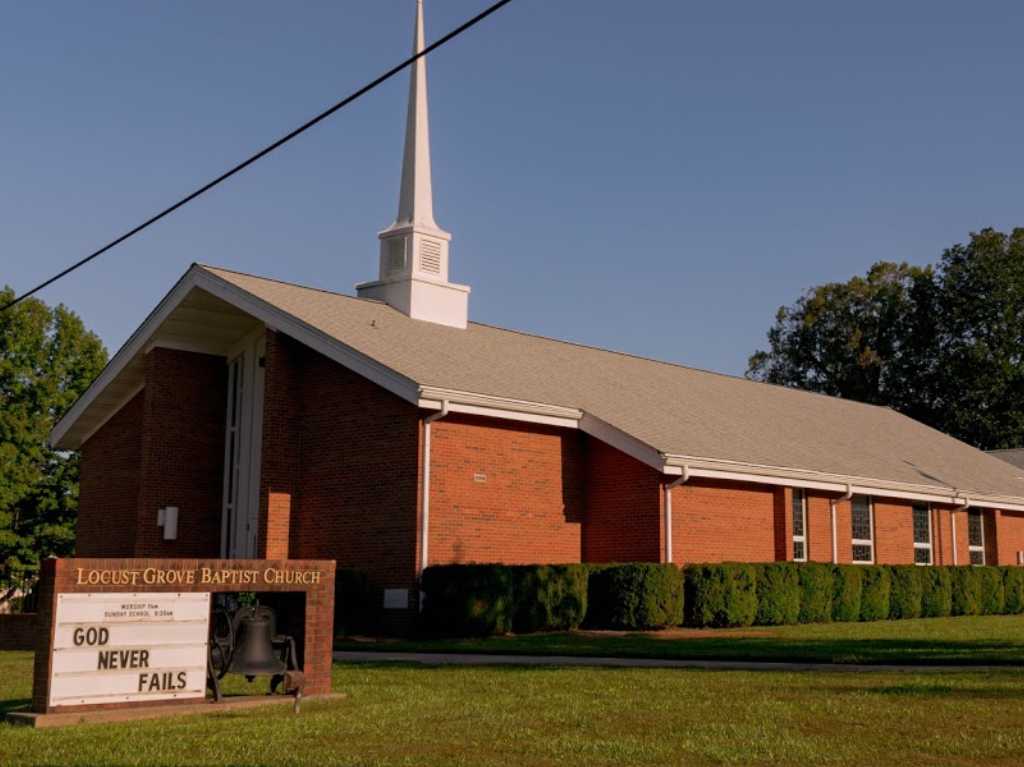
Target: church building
(254, 418)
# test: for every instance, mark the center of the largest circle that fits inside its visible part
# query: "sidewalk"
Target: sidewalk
(474, 659)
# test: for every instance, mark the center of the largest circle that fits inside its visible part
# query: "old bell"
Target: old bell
(253, 653)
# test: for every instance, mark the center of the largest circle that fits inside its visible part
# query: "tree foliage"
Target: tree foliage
(942, 344)
(47, 359)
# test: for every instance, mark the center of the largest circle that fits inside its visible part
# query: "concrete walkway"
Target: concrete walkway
(475, 659)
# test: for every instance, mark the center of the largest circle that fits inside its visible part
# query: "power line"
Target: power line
(263, 152)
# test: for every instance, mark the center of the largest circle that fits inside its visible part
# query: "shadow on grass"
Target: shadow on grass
(739, 648)
(12, 704)
(935, 691)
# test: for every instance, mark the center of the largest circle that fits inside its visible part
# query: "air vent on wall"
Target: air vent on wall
(430, 256)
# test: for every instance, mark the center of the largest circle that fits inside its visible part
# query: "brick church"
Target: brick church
(250, 417)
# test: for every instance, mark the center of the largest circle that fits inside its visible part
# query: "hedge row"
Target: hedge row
(480, 600)
(784, 592)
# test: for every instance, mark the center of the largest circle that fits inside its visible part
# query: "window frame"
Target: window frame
(976, 548)
(801, 539)
(930, 545)
(869, 542)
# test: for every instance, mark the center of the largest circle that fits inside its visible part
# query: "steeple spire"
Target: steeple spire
(414, 249)
(416, 200)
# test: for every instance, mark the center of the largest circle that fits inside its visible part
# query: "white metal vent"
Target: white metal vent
(395, 255)
(430, 256)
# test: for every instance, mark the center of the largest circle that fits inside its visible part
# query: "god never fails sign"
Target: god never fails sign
(113, 648)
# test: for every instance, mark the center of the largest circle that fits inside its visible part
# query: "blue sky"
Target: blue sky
(656, 177)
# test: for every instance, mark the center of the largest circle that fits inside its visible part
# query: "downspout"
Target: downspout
(832, 509)
(680, 480)
(425, 519)
(952, 522)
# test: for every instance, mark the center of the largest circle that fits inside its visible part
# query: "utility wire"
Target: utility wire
(263, 152)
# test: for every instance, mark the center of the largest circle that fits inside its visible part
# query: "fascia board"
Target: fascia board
(698, 467)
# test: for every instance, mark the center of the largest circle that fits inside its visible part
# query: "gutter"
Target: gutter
(425, 516)
(680, 480)
(832, 513)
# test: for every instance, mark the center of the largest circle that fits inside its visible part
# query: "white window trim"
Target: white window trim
(800, 538)
(930, 546)
(971, 548)
(870, 542)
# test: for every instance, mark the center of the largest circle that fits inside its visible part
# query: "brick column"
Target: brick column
(783, 504)
(280, 453)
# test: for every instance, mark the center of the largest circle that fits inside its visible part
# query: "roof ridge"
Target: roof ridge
(287, 282)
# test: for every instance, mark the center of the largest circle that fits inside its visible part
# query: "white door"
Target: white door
(243, 440)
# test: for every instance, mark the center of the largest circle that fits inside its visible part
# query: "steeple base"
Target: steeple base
(444, 303)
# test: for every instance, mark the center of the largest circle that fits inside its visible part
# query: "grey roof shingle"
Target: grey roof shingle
(674, 409)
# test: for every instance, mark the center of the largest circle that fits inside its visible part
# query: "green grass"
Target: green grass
(400, 715)
(983, 640)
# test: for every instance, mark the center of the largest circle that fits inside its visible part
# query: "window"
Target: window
(922, 534)
(799, 526)
(863, 530)
(976, 536)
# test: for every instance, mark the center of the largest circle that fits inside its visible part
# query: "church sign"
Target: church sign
(130, 633)
(120, 647)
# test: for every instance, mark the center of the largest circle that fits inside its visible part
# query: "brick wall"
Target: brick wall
(991, 544)
(720, 521)
(783, 523)
(182, 452)
(503, 491)
(355, 498)
(624, 507)
(280, 461)
(108, 495)
(894, 532)
(1009, 527)
(819, 528)
(942, 539)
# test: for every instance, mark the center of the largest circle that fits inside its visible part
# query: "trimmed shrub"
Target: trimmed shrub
(720, 595)
(993, 598)
(936, 592)
(816, 590)
(468, 600)
(966, 590)
(874, 596)
(904, 592)
(549, 597)
(847, 585)
(635, 596)
(1013, 589)
(778, 594)
(356, 603)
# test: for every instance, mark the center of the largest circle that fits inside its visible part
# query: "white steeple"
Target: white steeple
(414, 249)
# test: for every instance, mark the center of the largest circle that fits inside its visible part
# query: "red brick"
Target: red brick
(505, 492)
(624, 507)
(108, 495)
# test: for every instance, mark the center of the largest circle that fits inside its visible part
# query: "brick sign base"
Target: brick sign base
(291, 579)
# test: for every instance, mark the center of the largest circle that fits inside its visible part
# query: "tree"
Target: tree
(47, 359)
(982, 340)
(941, 344)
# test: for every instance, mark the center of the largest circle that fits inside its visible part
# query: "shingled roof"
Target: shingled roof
(675, 418)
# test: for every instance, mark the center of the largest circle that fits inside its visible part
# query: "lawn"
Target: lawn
(982, 640)
(400, 715)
